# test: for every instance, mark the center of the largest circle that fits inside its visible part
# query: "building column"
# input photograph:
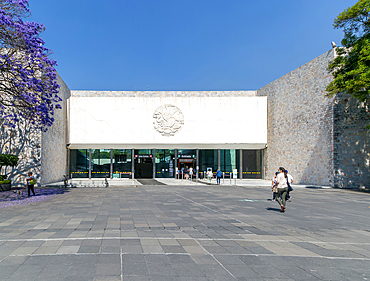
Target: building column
(111, 164)
(154, 163)
(68, 169)
(197, 164)
(241, 163)
(262, 164)
(132, 163)
(175, 164)
(219, 159)
(89, 163)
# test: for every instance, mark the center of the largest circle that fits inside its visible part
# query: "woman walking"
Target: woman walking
(281, 182)
(209, 176)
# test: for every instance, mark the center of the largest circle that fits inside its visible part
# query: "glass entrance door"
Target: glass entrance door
(143, 163)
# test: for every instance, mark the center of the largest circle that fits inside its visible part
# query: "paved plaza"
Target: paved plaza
(193, 232)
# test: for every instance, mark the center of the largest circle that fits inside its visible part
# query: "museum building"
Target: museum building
(161, 134)
(155, 134)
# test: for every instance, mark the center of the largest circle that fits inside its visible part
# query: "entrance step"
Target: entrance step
(149, 182)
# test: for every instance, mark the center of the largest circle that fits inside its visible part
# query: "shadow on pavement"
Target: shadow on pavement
(273, 209)
(19, 194)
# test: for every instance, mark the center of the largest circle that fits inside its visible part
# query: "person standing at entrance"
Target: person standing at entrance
(209, 176)
(191, 172)
(218, 176)
(30, 184)
(281, 182)
(186, 171)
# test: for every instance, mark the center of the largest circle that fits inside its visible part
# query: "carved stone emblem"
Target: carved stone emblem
(168, 120)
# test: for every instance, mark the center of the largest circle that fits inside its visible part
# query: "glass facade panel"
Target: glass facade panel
(186, 158)
(229, 160)
(164, 163)
(79, 163)
(121, 163)
(100, 163)
(143, 163)
(252, 164)
(207, 159)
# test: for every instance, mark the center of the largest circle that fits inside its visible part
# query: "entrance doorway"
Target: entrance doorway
(143, 164)
(182, 163)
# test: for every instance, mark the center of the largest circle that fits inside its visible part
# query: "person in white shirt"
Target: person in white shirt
(209, 176)
(281, 182)
(273, 184)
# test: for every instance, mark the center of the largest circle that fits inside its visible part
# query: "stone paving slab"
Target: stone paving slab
(166, 232)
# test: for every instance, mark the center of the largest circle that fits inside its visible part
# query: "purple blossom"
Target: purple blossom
(28, 77)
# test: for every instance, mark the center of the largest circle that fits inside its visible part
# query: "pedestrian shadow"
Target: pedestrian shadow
(273, 209)
(19, 194)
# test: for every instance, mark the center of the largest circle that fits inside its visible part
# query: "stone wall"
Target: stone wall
(351, 142)
(54, 140)
(44, 154)
(300, 123)
(25, 142)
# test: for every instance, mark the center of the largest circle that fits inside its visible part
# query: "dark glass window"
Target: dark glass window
(121, 163)
(229, 160)
(164, 163)
(252, 164)
(79, 163)
(100, 163)
(207, 159)
(143, 161)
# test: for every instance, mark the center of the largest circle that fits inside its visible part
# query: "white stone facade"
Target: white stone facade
(168, 122)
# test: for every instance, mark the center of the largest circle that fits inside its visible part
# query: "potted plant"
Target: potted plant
(6, 160)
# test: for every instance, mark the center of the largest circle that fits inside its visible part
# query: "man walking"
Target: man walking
(218, 176)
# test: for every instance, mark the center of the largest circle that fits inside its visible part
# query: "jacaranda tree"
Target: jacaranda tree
(28, 79)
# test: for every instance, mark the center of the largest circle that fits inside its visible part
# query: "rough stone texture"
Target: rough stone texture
(25, 142)
(44, 154)
(351, 142)
(54, 151)
(300, 123)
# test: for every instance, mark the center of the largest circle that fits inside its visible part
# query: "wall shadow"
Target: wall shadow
(351, 142)
(23, 141)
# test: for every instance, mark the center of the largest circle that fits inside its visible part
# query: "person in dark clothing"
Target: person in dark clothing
(30, 184)
(218, 176)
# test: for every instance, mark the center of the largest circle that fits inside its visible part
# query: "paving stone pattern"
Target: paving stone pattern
(187, 233)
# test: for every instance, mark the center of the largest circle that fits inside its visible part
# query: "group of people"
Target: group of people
(188, 172)
(210, 176)
(281, 186)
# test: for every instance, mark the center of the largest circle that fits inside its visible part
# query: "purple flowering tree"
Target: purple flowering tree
(28, 79)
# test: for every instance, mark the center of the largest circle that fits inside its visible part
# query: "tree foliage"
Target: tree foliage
(28, 79)
(8, 160)
(351, 66)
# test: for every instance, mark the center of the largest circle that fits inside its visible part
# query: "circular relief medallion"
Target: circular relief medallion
(168, 120)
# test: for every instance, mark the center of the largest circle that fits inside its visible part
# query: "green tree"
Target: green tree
(7, 160)
(351, 66)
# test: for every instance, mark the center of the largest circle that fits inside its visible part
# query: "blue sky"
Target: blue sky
(121, 45)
